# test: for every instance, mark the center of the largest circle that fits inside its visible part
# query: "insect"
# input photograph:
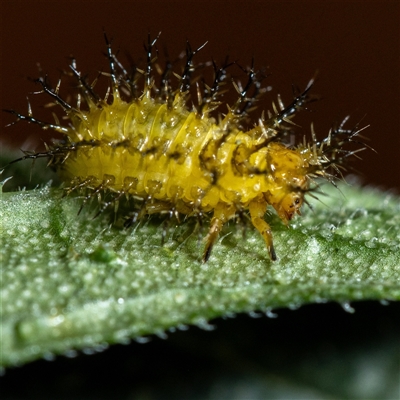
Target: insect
(143, 141)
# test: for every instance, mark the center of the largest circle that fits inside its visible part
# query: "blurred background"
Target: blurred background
(319, 351)
(354, 46)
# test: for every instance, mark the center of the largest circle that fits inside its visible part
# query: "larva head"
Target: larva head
(290, 181)
(291, 170)
(289, 205)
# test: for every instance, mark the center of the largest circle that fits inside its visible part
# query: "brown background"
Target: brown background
(354, 46)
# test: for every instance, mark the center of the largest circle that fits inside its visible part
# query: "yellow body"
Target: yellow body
(147, 144)
(176, 160)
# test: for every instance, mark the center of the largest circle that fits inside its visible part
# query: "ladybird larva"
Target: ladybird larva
(149, 145)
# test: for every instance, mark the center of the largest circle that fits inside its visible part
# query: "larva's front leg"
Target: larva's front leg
(257, 208)
(222, 213)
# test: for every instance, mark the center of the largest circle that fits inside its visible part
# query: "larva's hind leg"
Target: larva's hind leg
(257, 211)
(222, 214)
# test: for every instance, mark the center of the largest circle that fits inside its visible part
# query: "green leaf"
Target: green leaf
(73, 282)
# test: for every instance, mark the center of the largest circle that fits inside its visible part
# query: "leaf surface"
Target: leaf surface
(73, 282)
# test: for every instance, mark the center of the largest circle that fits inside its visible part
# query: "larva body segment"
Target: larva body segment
(177, 160)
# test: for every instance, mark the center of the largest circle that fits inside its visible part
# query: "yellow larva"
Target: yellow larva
(149, 145)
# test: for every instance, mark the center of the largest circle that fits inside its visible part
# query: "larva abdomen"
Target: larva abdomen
(157, 147)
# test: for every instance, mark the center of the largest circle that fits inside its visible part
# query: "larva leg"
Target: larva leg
(222, 214)
(257, 211)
